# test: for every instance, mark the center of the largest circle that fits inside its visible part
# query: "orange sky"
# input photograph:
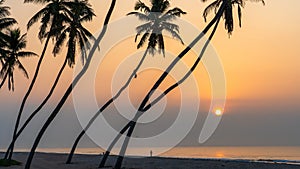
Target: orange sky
(260, 58)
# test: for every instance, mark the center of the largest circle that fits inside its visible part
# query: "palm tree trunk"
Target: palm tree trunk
(27, 95)
(104, 107)
(130, 131)
(40, 106)
(112, 144)
(187, 74)
(164, 75)
(70, 88)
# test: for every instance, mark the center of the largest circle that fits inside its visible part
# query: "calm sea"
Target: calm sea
(264, 154)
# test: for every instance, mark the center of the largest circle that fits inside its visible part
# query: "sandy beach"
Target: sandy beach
(56, 161)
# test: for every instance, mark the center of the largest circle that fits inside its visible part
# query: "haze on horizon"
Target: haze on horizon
(261, 62)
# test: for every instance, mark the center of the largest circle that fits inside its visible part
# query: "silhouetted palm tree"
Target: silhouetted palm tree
(157, 18)
(78, 37)
(71, 86)
(50, 16)
(13, 48)
(228, 13)
(223, 7)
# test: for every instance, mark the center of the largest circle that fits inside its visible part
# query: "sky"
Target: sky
(261, 63)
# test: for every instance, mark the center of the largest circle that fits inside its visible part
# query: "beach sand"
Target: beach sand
(56, 161)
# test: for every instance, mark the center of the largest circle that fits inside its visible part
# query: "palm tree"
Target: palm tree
(157, 18)
(50, 16)
(80, 12)
(228, 13)
(71, 86)
(14, 44)
(224, 7)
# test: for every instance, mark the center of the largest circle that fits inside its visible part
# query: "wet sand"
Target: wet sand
(57, 161)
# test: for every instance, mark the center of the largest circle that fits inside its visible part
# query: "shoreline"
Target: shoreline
(44, 160)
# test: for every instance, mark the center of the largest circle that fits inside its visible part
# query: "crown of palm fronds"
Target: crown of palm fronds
(51, 17)
(12, 50)
(77, 35)
(157, 20)
(228, 14)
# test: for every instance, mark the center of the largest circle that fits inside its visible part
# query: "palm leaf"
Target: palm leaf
(22, 69)
(141, 16)
(26, 54)
(141, 6)
(143, 39)
(36, 17)
(161, 44)
(240, 15)
(60, 40)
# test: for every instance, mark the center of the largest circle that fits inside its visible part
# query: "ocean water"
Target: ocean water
(259, 154)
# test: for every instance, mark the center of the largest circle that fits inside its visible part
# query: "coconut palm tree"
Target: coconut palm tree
(51, 24)
(158, 20)
(71, 86)
(14, 45)
(228, 11)
(78, 37)
(222, 8)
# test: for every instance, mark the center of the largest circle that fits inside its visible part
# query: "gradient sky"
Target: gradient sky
(261, 62)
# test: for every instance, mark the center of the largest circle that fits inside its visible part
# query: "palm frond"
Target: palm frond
(26, 54)
(141, 16)
(37, 1)
(36, 17)
(170, 26)
(211, 7)
(174, 34)
(60, 40)
(161, 44)
(22, 69)
(143, 39)
(141, 6)
(176, 11)
(7, 22)
(144, 28)
(240, 15)
(228, 17)
(164, 6)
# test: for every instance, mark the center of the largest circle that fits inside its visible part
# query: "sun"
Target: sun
(218, 112)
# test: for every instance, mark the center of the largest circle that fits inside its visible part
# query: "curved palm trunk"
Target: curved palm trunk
(70, 88)
(40, 106)
(130, 131)
(11, 150)
(187, 74)
(112, 144)
(69, 160)
(156, 85)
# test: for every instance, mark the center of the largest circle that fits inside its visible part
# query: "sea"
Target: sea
(287, 155)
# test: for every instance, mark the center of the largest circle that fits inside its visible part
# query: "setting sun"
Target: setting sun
(218, 112)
